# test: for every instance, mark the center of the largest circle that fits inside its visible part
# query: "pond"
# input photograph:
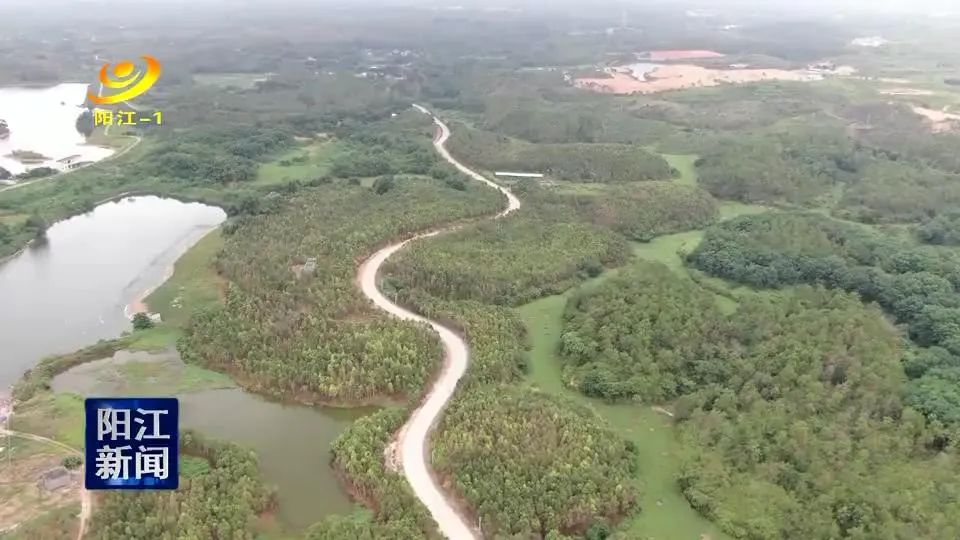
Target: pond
(43, 120)
(292, 441)
(70, 290)
(640, 70)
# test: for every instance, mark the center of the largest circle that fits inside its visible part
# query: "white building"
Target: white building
(518, 175)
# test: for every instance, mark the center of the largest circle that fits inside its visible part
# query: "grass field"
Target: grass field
(685, 164)
(168, 377)
(302, 163)
(12, 218)
(55, 416)
(193, 285)
(139, 374)
(665, 513)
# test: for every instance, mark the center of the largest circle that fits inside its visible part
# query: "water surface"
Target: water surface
(44, 120)
(292, 441)
(68, 291)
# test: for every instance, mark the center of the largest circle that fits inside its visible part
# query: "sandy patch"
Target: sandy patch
(139, 304)
(939, 121)
(906, 92)
(675, 77)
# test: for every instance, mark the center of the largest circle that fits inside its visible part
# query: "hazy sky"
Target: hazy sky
(788, 7)
(715, 4)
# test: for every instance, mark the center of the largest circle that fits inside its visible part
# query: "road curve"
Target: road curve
(413, 436)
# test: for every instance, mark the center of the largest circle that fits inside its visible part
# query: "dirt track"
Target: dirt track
(413, 437)
(86, 502)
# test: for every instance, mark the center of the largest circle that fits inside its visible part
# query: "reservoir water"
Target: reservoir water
(43, 120)
(292, 441)
(69, 291)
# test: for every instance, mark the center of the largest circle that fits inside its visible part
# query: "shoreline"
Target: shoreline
(139, 303)
(174, 252)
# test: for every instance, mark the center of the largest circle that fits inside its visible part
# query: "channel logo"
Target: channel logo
(126, 77)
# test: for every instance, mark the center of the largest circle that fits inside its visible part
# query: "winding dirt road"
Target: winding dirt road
(413, 436)
(86, 503)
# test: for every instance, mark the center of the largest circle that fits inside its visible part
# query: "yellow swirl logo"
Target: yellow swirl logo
(133, 82)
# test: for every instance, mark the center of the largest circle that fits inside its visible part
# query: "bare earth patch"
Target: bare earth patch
(21, 497)
(678, 76)
(939, 121)
(906, 92)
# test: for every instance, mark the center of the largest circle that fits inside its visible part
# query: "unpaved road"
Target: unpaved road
(413, 436)
(86, 505)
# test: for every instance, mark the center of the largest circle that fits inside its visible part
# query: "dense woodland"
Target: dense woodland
(358, 457)
(533, 464)
(524, 257)
(643, 335)
(606, 163)
(916, 284)
(220, 500)
(315, 337)
(795, 409)
(644, 210)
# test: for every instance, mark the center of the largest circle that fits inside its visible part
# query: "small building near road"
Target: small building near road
(55, 478)
(310, 267)
(518, 174)
(69, 160)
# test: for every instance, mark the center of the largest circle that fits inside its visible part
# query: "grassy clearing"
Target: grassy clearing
(732, 209)
(59, 523)
(103, 136)
(20, 448)
(12, 218)
(685, 164)
(670, 249)
(169, 376)
(301, 163)
(154, 339)
(193, 285)
(665, 512)
(55, 416)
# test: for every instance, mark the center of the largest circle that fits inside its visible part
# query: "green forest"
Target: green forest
(605, 163)
(795, 409)
(315, 338)
(358, 457)
(916, 284)
(524, 257)
(220, 495)
(533, 465)
(806, 358)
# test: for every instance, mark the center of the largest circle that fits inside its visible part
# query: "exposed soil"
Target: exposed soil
(939, 121)
(21, 499)
(906, 92)
(678, 76)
